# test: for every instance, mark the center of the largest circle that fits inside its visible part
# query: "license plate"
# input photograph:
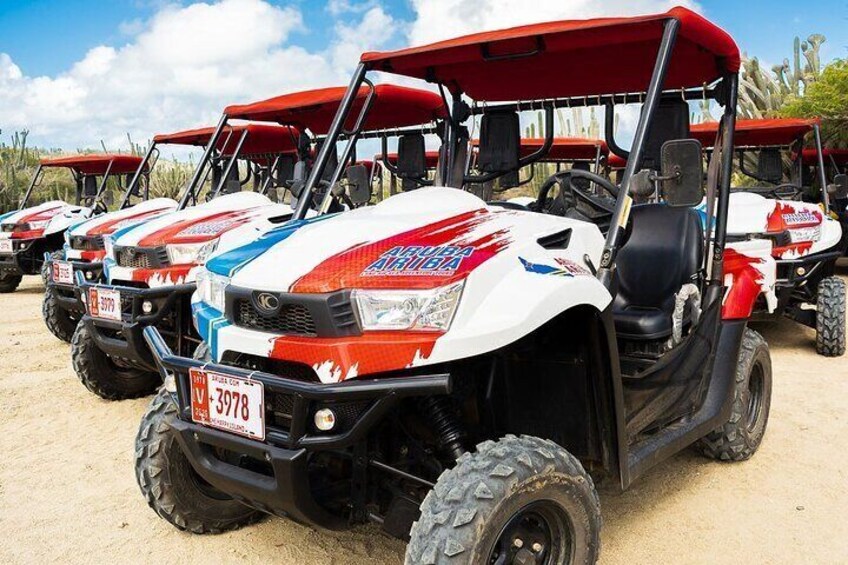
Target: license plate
(63, 272)
(228, 403)
(5, 245)
(104, 303)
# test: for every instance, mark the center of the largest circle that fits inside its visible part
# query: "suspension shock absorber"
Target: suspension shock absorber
(441, 414)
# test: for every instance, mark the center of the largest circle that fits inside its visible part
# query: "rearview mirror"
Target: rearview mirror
(89, 186)
(358, 184)
(500, 138)
(682, 175)
(839, 188)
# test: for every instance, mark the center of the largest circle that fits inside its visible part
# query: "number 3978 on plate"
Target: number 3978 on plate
(228, 403)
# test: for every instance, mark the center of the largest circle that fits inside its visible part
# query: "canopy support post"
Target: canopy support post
(822, 173)
(330, 139)
(32, 184)
(729, 123)
(201, 165)
(622, 206)
(233, 160)
(137, 176)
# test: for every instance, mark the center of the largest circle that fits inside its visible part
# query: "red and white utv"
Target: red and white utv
(37, 227)
(806, 232)
(151, 268)
(453, 371)
(84, 249)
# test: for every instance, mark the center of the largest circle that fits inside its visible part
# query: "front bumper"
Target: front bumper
(124, 339)
(68, 296)
(797, 282)
(15, 263)
(284, 490)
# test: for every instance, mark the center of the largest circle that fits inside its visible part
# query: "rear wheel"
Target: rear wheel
(739, 438)
(516, 500)
(104, 376)
(8, 283)
(58, 320)
(830, 317)
(172, 488)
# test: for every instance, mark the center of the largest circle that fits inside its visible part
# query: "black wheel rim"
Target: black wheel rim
(541, 533)
(756, 383)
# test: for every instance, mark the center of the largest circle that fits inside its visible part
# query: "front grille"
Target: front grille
(138, 258)
(87, 243)
(290, 319)
(278, 409)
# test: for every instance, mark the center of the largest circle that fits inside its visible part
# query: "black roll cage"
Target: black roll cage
(78, 181)
(724, 91)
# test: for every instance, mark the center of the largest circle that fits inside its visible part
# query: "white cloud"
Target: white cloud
(178, 70)
(441, 19)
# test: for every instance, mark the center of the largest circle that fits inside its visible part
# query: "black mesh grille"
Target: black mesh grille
(291, 319)
(148, 258)
(87, 243)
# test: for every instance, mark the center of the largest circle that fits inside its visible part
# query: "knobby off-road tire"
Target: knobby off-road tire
(102, 376)
(830, 317)
(59, 254)
(58, 320)
(171, 486)
(9, 283)
(478, 509)
(739, 438)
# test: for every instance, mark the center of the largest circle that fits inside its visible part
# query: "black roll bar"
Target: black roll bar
(137, 176)
(717, 270)
(36, 178)
(336, 128)
(822, 173)
(622, 207)
(201, 165)
(228, 169)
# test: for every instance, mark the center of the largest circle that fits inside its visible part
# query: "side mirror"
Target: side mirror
(358, 184)
(682, 172)
(89, 186)
(500, 141)
(412, 158)
(839, 188)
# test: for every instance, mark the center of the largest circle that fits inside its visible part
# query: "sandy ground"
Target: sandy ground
(68, 493)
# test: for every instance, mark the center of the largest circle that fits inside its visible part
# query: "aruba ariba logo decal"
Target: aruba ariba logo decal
(439, 260)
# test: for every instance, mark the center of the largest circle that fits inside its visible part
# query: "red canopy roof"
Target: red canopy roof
(261, 139)
(568, 58)
(756, 133)
(566, 148)
(811, 156)
(394, 106)
(96, 164)
(431, 158)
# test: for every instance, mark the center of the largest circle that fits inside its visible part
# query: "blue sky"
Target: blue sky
(77, 72)
(46, 36)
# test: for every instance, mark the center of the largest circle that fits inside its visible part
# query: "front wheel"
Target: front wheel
(57, 319)
(516, 500)
(172, 488)
(830, 317)
(104, 376)
(9, 283)
(739, 438)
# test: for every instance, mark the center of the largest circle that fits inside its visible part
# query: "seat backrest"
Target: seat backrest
(663, 252)
(671, 121)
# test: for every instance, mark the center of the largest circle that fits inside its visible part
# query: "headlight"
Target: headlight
(34, 226)
(424, 310)
(211, 288)
(108, 247)
(190, 253)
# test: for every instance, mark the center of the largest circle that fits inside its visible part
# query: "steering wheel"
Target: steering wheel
(787, 192)
(563, 203)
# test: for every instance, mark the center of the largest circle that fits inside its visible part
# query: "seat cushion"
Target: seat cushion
(664, 252)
